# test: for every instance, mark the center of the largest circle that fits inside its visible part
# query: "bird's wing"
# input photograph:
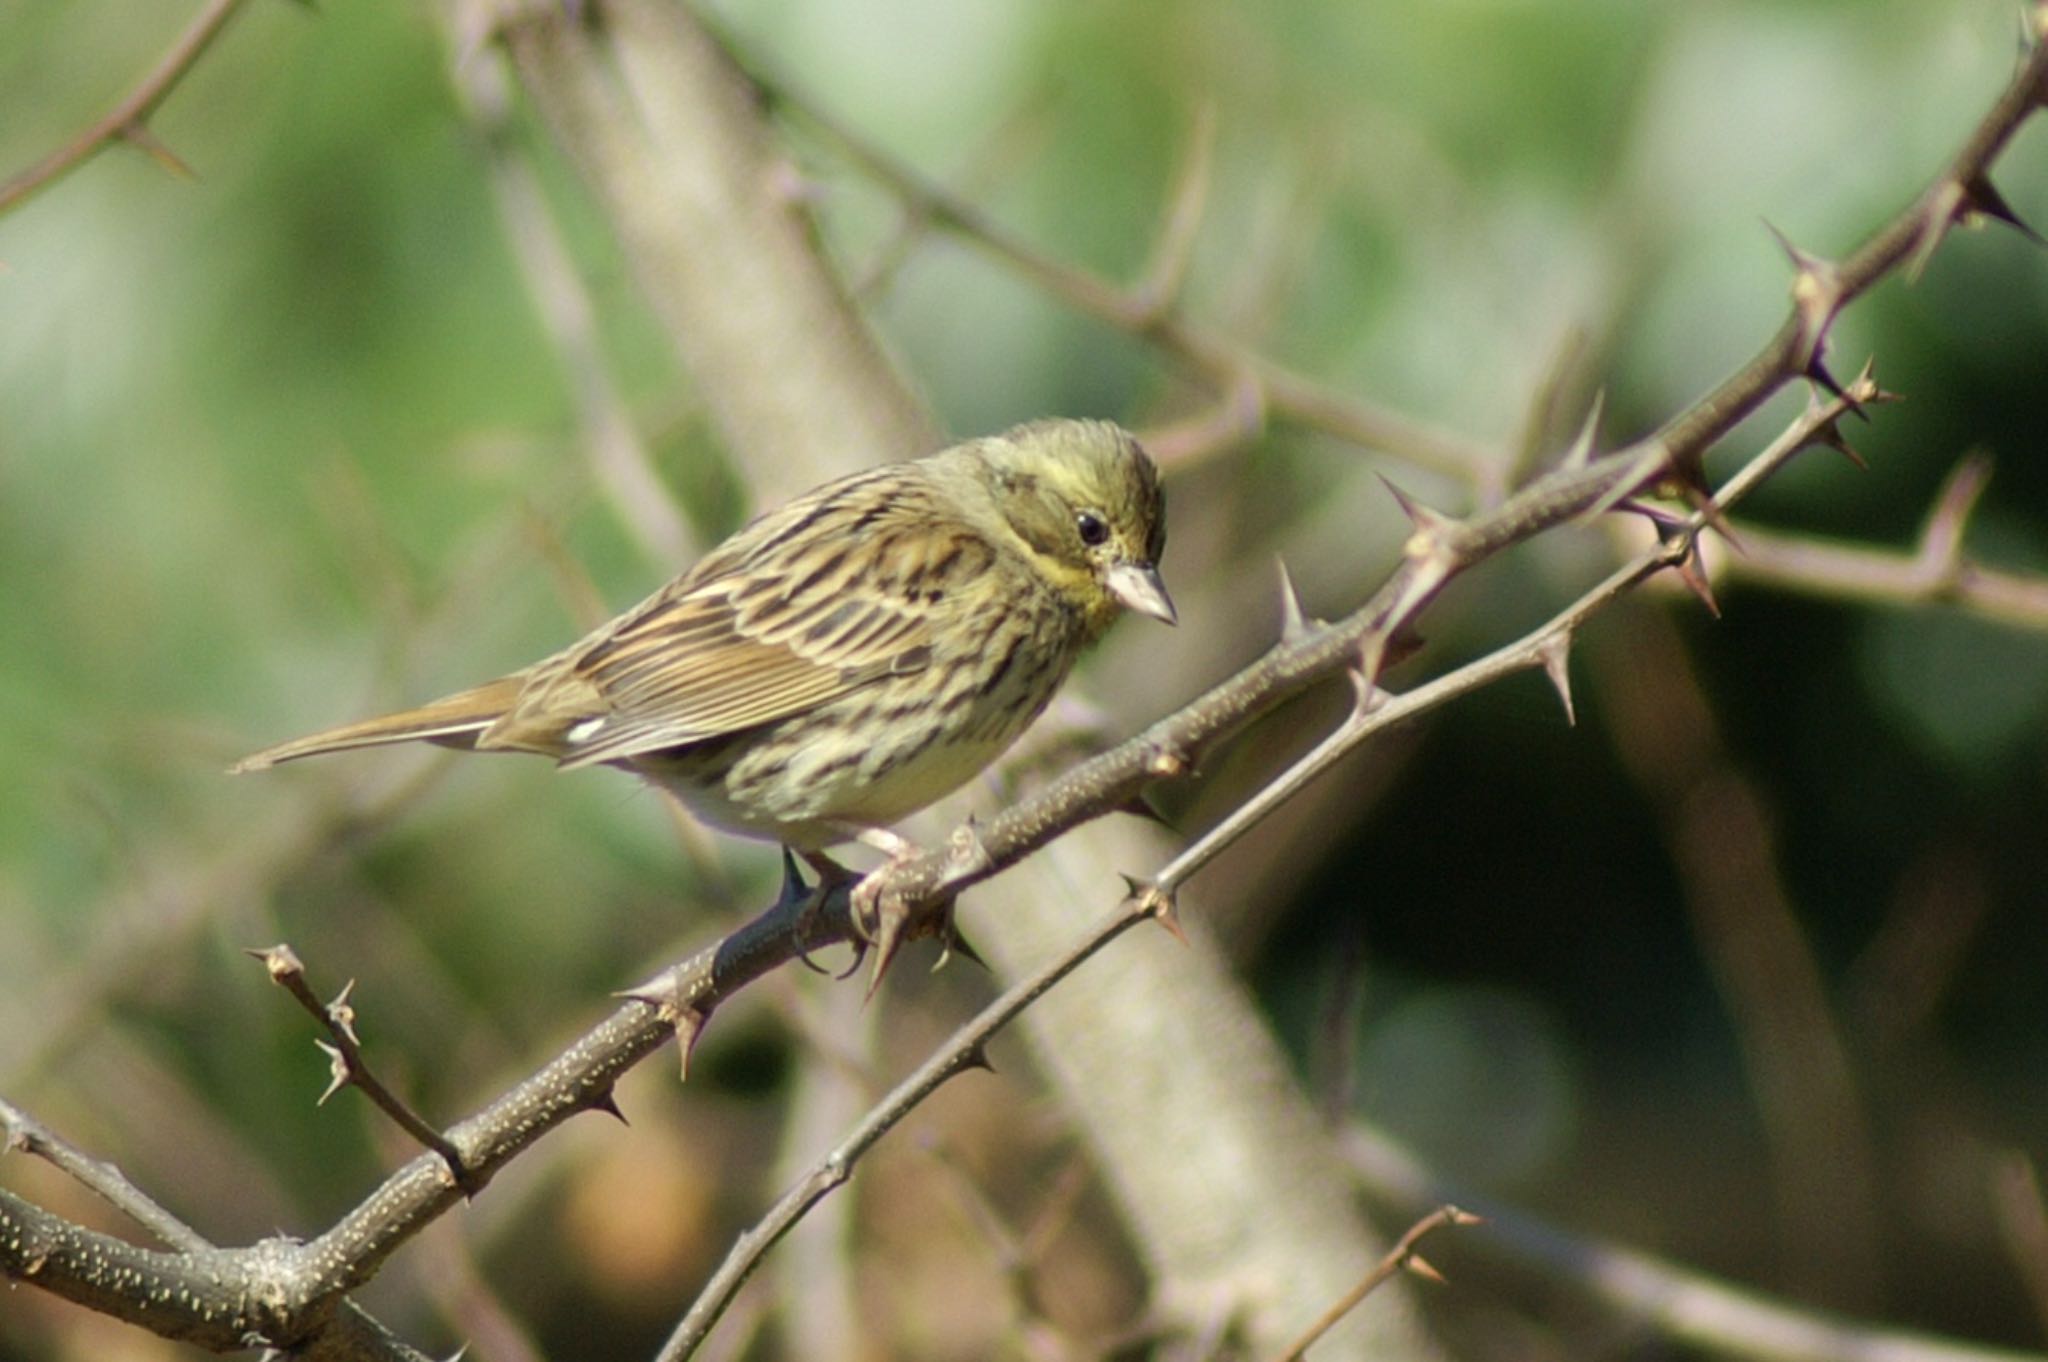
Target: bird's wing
(746, 639)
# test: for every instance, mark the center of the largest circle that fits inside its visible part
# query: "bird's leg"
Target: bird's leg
(831, 875)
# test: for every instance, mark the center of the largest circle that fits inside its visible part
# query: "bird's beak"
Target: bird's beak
(1138, 586)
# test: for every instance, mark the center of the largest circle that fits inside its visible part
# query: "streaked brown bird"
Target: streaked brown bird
(848, 659)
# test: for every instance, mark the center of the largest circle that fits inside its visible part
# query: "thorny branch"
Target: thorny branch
(289, 1294)
(1153, 898)
(1403, 1256)
(346, 1066)
(1682, 1307)
(128, 121)
(1935, 571)
(1251, 383)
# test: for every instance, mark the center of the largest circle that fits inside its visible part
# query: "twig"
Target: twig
(179, 1294)
(618, 456)
(1935, 571)
(1683, 1307)
(25, 1133)
(1143, 311)
(1154, 897)
(1402, 1256)
(284, 1292)
(1011, 136)
(1016, 1254)
(1543, 648)
(128, 121)
(1718, 826)
(964, 1050)
(346, 1064)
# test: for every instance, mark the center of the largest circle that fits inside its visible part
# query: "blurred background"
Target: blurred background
(1749, 968)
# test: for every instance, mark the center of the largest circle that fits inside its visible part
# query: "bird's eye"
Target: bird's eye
(1093, 530)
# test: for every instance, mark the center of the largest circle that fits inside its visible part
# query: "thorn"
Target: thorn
(1864, 387)
(1419, 1265)
(952, 943)
(1366, 696)
(1294, 621)
(1377, 653)
(1941, 536)
(1405, 643)
(1828, 434)
(1631, 480)
(1431, 525)
(608, 1103)
(977, 1058)
(1692, 572)
(337, 1072)
(658, 993)
(1817, 373)
(1981, 199)
(1555, 654)
(281, 962)
(1701, 499)
(138, 135)
(1157, 903)
(1580, 452)
(343, 1014)
(1816, 292)
(688, 1028)
(1662, 518)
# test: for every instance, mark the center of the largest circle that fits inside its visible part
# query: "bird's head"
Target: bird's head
(1084, 498)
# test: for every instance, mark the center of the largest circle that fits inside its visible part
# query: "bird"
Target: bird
(845, 660)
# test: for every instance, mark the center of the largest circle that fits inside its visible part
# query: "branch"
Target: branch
(1401, 1257)
(346, 1065)
(1677, 1304)
(1935, 571)
(1149, 311)
(30, 1136)
(1154, 897)
(128, 121)
(290, 1294)
(965, 1049)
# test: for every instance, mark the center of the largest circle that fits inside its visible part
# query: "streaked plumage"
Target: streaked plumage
(846, 660)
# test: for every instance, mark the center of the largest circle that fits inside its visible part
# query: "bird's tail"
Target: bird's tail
(453, 721)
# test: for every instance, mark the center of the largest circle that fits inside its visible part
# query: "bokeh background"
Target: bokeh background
(288, 442)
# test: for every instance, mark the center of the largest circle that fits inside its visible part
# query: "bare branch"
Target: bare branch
(128, 121)
(1936, 571)
(1680, 1305)
(25, 1133)
(962, 1051)
(619, 457)
(1220, 361)
(1402, 1256)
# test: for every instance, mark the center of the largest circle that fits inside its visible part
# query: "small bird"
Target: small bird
(844, 661)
